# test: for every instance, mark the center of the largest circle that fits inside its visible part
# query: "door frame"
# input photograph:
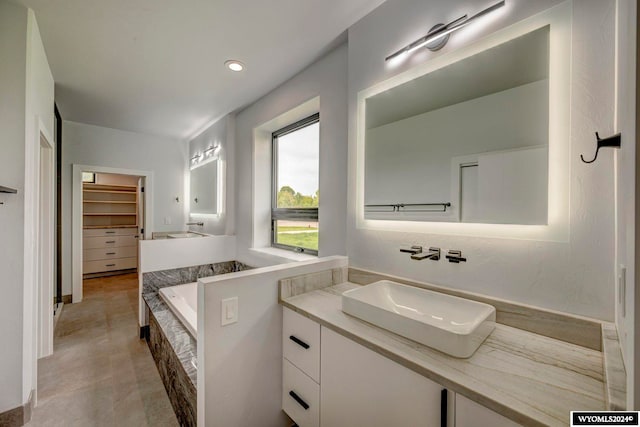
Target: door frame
(45, 267)
(76, 216)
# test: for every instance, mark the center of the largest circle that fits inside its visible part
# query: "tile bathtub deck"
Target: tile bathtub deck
(101, 373)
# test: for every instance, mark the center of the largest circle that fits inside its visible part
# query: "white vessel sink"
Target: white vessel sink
(183, 235)
(455, 326)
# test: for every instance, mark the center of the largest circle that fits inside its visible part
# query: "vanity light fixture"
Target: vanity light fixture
(209, 151)
(234, 65)
(439, 34)
(195, 158)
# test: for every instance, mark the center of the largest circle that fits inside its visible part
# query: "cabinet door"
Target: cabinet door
(472, 414)
(360, 388)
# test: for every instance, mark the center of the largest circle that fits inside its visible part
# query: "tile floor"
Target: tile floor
(101, 373)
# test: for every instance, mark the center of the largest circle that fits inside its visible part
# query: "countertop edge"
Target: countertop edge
(614, 370)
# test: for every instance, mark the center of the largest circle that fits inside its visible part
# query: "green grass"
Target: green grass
(294, 228)
(302, 240)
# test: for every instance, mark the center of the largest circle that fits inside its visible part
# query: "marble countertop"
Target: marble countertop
(529, 378)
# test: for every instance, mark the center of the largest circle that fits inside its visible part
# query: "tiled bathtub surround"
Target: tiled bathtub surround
(298, 285)
(172, 346)
(152, 282)
(181, 391)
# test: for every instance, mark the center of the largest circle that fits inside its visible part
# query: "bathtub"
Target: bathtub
(183, 302)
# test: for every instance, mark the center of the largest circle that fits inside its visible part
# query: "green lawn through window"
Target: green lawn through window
(304, 237)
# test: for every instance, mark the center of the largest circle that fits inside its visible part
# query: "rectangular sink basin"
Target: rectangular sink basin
(183, 235)
(452, 325)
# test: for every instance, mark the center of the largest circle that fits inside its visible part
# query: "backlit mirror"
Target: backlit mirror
(204, 188)
(468, 142)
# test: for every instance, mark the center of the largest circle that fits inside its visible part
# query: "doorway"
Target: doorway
(109, 211)
(45, 245)
(111, 223)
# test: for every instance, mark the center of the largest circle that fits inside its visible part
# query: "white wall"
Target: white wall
(165, 254)
(409, 160)
(325, 79)
(240, 365)
(13, 48)
(222, 134)
(115, 179)
(26, 97)
(575, 276)
(99, 146)
(39, 113)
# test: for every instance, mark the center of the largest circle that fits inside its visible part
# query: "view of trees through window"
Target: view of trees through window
(297, 182)
(290, 198)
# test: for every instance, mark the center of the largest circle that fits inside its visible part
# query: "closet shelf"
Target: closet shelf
(110, 202)
(109, 214)
(94, 227)
(91, 184)
(110, 191)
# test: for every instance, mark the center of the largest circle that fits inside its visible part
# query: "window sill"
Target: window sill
(283, 253)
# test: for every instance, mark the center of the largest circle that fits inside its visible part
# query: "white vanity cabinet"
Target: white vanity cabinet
(300, 369)
(471, 414)
(359, 387)
(330, 380)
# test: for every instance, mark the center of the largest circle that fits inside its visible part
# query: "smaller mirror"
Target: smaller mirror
(204, 188)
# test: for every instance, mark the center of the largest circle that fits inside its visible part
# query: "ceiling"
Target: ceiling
(157, 66)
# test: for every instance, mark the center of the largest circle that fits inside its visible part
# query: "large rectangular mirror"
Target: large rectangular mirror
(468, 142)
(204, 188)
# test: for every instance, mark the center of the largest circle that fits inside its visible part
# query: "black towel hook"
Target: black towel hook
(612, 141)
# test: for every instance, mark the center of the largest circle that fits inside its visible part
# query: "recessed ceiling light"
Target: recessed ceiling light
(234, 65)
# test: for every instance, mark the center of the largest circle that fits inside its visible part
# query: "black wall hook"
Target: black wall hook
(612, 141)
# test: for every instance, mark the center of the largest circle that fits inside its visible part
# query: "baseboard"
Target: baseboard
(109, 273)
(19, 416)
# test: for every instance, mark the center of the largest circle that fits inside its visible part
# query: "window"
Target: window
(296, 190)
(89, 177)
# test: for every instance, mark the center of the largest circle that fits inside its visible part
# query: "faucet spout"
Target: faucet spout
(433, 254)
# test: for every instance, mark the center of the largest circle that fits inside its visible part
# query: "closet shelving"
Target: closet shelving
(109, 206)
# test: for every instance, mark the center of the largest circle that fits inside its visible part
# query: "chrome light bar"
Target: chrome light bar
(438, 36)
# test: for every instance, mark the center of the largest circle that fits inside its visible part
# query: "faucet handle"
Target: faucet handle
(455, 256)
(415, 249)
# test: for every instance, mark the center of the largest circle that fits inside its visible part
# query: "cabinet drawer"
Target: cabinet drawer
(101, 232)
(108, 242)
(299, 390)
(109, 265)
(109, 253)
(301, 343)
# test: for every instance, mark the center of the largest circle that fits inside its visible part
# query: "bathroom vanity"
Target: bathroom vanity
(339, 370)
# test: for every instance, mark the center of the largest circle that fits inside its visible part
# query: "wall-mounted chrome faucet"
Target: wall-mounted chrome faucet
(199, 224)
(433, 255)
(455, 256)
(417, 253)
(415, 249)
